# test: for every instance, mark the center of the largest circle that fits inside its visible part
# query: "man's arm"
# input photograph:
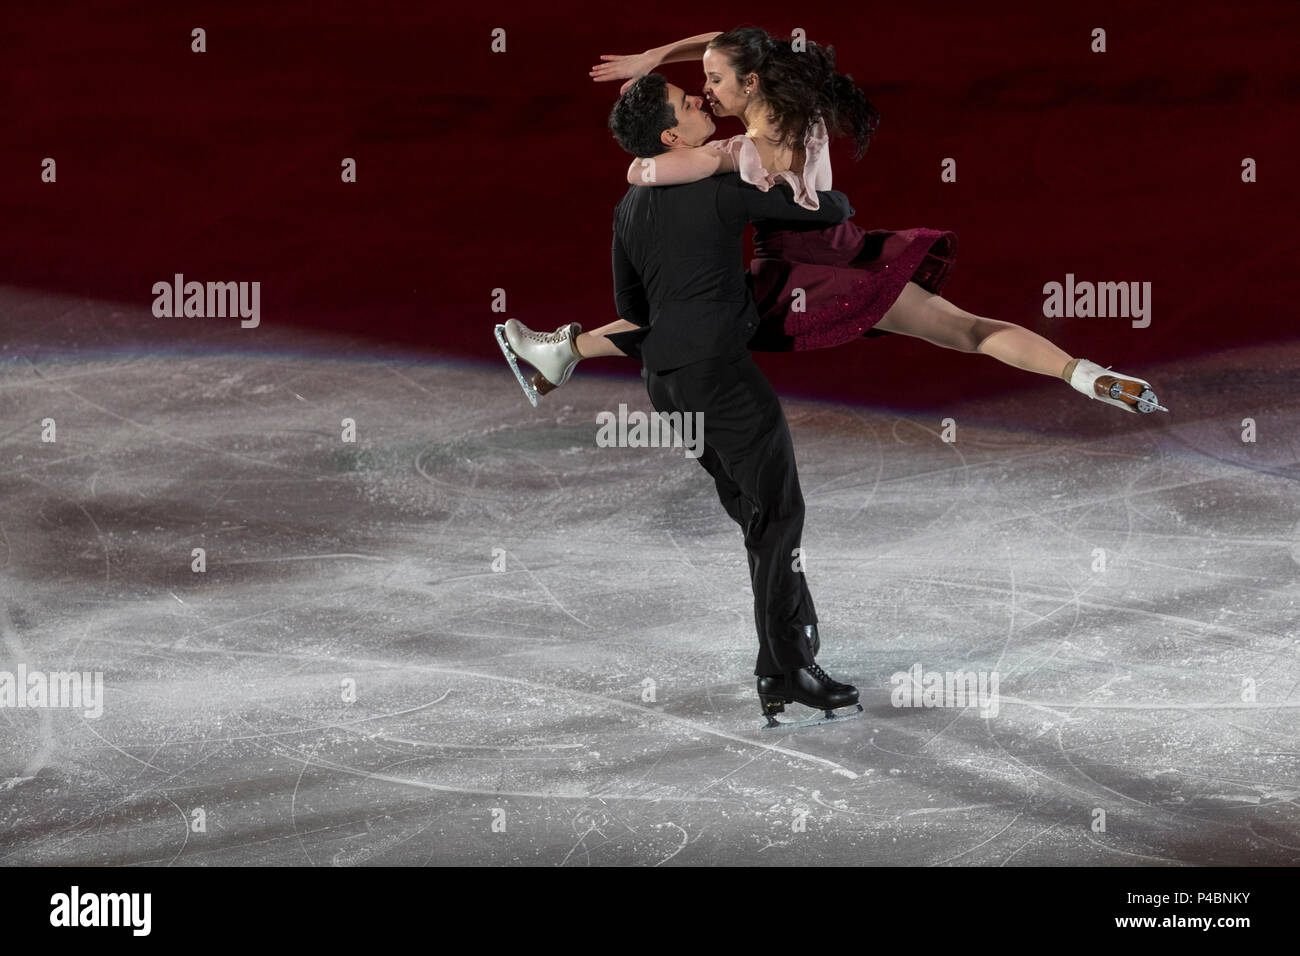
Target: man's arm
(778, 203)
(631, 304)
(629, 293)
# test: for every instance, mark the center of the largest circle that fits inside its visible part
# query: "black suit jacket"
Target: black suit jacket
(678, 264)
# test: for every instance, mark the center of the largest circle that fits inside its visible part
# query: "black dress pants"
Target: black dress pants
(747, 450)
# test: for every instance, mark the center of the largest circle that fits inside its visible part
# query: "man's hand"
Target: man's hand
(840, 201)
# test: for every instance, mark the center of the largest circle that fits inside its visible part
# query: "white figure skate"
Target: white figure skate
(1114, 388)
(553, 354)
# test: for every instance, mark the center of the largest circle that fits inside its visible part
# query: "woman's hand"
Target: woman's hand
(630, 67)
(637, 65)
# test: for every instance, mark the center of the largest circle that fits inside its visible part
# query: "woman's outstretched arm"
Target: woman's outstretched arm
(629, 67)
(677, 166)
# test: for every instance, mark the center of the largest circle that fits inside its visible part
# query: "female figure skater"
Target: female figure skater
(820, 288)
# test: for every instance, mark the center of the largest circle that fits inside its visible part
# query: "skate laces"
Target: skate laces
(547, 338)
(816, 670)
(544, 338)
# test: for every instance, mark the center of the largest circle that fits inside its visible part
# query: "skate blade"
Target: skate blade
(1142, 404)
(1143, 401)
(1146, 402)
(828, 717)
(527, 386)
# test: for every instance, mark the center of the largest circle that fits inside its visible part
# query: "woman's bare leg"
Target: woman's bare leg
(594, 344)
(927, 316)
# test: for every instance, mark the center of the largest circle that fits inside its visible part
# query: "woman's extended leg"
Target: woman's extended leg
(927, 316)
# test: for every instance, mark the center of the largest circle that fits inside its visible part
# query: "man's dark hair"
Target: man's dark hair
(642, 114)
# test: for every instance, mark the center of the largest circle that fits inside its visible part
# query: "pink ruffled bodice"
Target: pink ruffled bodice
(816, 165)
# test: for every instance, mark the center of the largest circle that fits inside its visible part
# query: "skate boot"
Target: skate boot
(1132, 394)
(553, 354)
(812, 687)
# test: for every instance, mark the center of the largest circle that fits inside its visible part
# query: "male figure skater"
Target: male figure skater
(678, 274)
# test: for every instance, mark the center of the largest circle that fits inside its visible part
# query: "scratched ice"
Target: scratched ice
(472, 635)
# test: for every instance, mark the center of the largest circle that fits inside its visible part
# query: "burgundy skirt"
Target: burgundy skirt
(849, 278)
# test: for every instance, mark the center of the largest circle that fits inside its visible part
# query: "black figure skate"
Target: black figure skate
(812, 687)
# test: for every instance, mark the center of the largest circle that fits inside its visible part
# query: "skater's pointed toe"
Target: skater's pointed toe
(1128, 392)
(514, 330)
(530, 392)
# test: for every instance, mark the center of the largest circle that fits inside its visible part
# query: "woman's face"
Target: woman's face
(725, 95)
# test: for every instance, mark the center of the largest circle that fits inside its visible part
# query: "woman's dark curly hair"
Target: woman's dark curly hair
(801, 86)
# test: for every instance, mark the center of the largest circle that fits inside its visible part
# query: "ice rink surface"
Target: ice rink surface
(551, 643)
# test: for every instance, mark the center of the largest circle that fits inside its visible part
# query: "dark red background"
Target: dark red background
(480, 171)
